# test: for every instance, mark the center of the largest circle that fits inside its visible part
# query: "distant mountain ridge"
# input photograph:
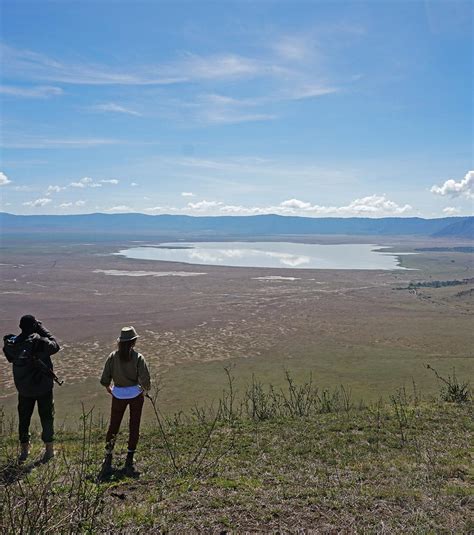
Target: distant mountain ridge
(141, 224)
(458, 229)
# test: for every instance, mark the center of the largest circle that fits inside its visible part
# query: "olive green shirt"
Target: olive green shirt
(126, 373)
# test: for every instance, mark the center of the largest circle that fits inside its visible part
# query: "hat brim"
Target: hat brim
(127, 339)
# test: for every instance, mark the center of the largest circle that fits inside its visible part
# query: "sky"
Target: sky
(294, 107)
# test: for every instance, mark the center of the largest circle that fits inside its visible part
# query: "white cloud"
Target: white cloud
(214, 108)
(203, 205)
(225, 116)
(32, 65)
(70, 204)
(219, 66)
(451, 188)
(245, 210)
(295, 203)
(38, 202)
(54, 189)
(288, 65)
(4, 180)
(222, 109)
(88, 182)
(111, 107)
(82, 183)
(308, 91)
(187, 194)
(41, 91)
(134, 184)
(370, 206)
(190, 67)
(451, 210)
(153, 209)
(375, 204)
(45, 143)
(119, 209)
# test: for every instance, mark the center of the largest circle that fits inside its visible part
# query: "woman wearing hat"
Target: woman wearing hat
(128, 371)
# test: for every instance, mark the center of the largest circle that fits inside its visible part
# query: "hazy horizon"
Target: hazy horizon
(368, 216)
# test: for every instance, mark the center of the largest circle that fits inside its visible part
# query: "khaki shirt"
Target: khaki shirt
(126, 373)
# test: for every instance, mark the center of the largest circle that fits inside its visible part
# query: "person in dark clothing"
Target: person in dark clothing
(30, 353)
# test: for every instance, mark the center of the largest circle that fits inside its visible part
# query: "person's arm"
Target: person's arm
(143, 374)
(47, 344)
(106, 377)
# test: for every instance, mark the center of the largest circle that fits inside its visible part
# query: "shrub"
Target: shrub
(452, 390)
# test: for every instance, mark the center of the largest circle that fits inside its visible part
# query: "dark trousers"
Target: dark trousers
(26, 406)
(116, 415)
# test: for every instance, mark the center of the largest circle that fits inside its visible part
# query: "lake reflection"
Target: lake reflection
(269, 255)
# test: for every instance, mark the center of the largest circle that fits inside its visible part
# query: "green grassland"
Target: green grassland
(288, 460)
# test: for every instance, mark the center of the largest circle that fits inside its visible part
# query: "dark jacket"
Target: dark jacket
(30, 356)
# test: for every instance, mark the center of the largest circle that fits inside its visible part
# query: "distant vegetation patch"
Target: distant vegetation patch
(436, 284)
(446, 249)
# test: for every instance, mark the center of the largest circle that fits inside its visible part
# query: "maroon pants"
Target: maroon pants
(116, 415)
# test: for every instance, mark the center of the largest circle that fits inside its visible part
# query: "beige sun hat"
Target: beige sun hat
(127, 334)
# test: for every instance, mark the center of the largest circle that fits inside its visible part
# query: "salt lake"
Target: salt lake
(270, 255)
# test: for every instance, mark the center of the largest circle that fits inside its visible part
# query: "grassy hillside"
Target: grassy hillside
(281, 461)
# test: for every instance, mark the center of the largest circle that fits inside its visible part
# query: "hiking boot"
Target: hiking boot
(106, 468)
(48, 452)
(129, 466)
(24, 452)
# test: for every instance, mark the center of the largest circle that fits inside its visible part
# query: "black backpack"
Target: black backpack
(29, 371)
(19, 351)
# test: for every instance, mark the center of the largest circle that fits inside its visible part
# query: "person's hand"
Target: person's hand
(109, 390)
(40, 329)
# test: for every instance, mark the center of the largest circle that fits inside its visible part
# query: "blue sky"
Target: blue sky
(236, 108)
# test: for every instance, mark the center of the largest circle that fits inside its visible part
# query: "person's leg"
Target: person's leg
(25, 410)
(136, 406)
(46, 414)
(116, 415)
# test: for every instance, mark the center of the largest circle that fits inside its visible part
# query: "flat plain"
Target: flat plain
(362, 329)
